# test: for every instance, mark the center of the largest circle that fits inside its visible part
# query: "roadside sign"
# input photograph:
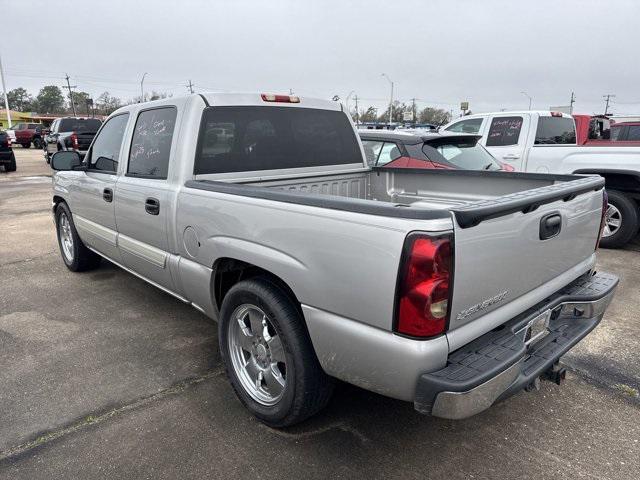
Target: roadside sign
(464, 106)
(407, 116)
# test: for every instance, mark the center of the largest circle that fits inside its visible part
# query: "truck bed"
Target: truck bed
(416, 193)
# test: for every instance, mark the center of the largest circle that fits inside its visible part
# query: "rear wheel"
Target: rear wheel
(268, 355)
(77, 257)
(621, 220)
(37, 143)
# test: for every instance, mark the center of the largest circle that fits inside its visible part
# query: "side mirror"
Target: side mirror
(66, 160)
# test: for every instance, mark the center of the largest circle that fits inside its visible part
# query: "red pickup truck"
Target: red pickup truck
(29, 133)
(600, 131)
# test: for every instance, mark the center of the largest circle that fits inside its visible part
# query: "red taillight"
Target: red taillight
(74, 141)
(603, 216)
(268, 97)
(424, 286)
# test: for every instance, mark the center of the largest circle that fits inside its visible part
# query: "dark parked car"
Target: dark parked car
(7, 157)
(70, 133)
(431, 150)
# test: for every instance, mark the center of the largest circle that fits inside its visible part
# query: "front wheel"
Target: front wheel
(268, 354)
(77, 257)
(621, 220)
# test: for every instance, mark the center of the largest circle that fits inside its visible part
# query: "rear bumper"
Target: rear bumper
(500, 363)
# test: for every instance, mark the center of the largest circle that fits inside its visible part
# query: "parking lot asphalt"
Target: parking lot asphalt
(104, 376)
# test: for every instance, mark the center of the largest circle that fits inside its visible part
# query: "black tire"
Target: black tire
(11, 166)
(82, 258)
(628, 229)
(307, 389)
(37, 143)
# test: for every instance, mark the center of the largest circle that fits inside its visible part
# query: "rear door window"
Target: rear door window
(371, 150)
(555, 131)
(633, 132)
(504, 131)
(390, 152)
(471, 125)
(254, 138)
(151, 143)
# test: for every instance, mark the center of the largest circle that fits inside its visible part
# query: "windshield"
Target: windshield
(79, 125)
(463, 153)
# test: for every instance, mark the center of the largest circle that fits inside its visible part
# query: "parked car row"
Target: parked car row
(548, 142)
(445, 287)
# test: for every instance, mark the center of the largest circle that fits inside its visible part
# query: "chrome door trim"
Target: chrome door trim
(92, 228)
(142, 250)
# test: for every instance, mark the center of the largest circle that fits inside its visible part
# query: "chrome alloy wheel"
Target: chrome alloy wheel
(257, 355)
(612, 221)
(66, 237)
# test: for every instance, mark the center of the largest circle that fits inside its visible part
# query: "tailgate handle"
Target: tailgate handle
(550, 226)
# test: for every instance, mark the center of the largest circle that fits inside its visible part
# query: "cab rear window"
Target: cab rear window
(254, 138)
(555, 131)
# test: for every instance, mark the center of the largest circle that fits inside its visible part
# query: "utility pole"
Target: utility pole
(291, 91)
(190, 86)
(573, 100)
(4, 90)
(356, 99)
(608, 96)
(73, 105)
(390, 100)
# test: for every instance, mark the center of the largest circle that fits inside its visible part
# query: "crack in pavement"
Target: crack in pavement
(48, 436)
(25, 260)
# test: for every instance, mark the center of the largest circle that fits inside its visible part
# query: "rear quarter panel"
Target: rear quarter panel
(341, 262)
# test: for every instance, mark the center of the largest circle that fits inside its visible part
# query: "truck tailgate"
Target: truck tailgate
(508, 247)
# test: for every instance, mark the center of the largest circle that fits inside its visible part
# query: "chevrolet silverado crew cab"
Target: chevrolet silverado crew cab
(546, 142)
(450, 289)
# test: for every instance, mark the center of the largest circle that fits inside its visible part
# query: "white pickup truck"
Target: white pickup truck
(545, 142)
(451, 289)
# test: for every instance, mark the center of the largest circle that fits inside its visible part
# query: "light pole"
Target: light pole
(391, 98)
(530, 99)
(347, 101)
(142, 87)
(4, 91)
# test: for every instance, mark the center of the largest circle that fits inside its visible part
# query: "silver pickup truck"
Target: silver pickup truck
(449, 289)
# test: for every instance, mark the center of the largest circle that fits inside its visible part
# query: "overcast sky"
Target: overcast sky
(441, 52)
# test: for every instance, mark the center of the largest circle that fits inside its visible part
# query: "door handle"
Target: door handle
(107, 195)
(152, 206)
(511, 156)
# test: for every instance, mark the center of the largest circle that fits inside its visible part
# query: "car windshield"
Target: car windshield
(463, 153)
(83, 125)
